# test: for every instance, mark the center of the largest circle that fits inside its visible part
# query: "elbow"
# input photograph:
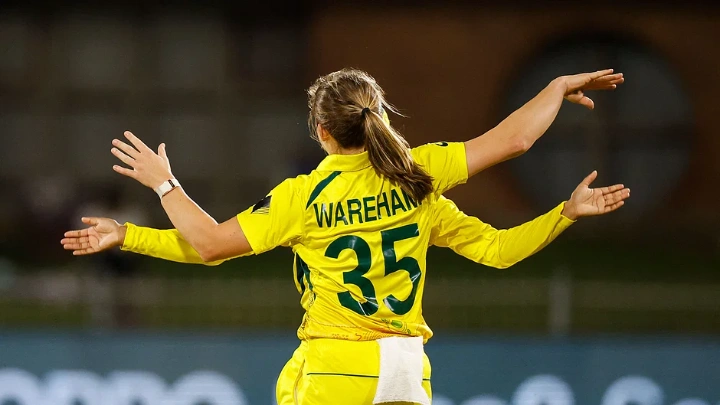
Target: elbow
(210, 247)
(503, 266)
(520, 145)
(500, 265)
(210, 259)
(498, 262)
(495, 265)
(494, 262)
(209, 255)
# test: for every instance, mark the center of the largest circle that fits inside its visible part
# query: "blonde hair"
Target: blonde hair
(350, 105)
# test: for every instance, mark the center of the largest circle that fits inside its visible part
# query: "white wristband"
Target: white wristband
(166, 187)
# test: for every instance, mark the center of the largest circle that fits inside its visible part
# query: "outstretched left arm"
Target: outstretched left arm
(166, 244)
(502, 248)
(197, 237)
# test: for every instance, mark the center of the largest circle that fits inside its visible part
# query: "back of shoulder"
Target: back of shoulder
(289, 193)
(445, 162)
(438, 151)
(423, 151)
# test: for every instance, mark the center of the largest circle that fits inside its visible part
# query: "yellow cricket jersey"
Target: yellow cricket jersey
(360, 242)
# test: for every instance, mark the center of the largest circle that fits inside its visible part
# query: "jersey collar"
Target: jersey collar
(345, 163)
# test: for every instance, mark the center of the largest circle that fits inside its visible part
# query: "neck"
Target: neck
(352, 151)
(335, 149)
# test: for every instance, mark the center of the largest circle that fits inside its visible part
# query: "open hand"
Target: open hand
(103, 233)
(586, 201)
(149, 168)
(578, 84)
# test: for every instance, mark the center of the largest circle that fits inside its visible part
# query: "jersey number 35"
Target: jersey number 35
(392, 264)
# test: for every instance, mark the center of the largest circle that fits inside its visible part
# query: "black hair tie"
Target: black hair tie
(365, 111)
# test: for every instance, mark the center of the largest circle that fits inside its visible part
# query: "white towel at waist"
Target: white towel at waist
(401, 371)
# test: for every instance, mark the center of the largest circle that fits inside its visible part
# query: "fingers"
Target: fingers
(612, 189)
(90, 221)
(617, 77)
(139, 145)
(607, 82)
(603, 85)
(71, 244)
(129, 150)
(580, 98)
(76, 245)
(589, 179)
(617, 196)
(613, 207)
(162, 152)
(615, 199)
(123, 157)
(82, 252)
(82, 233)
(79, 245)
(600, 73)
(587, 102)
(81, 239)
(125, 171)
(76, 234)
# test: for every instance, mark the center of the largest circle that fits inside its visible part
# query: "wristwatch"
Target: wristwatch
(166, 187)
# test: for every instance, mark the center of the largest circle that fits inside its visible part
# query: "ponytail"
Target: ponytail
(349, 105)
(390, 155)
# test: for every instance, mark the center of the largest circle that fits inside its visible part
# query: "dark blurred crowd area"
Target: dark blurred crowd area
(222, 84)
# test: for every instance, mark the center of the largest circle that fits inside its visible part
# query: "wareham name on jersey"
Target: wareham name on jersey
(365, 209)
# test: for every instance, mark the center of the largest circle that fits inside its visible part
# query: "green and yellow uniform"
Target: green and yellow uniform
(360, 246)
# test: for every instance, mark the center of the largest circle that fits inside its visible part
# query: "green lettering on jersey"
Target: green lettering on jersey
(368, 209)
(409, 201)
(383, 202)
(396, 202)
(323, 213)
(340, 214)
(355, 211)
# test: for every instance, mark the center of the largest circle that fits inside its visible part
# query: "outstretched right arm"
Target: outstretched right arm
(452, 163)
(519, 131)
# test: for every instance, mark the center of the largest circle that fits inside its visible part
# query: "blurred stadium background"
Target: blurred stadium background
(621, 310)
